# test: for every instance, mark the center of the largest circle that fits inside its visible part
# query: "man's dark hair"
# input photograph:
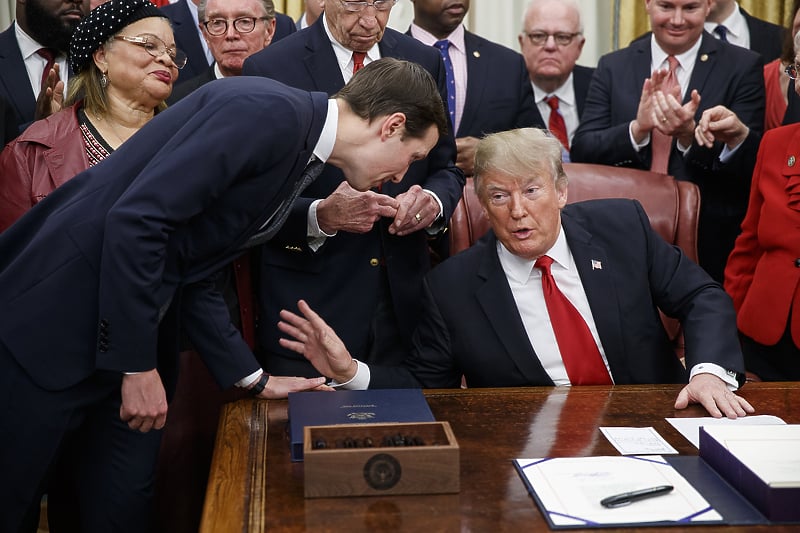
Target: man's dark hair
(391, 85)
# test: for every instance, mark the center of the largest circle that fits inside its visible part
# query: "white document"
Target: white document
(772, 453)
(637, 441)
(690, 427)
(569, 490)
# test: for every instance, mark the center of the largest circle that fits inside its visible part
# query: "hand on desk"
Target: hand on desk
(317, 342)
(713, 394)
(144, 402)
(280, 386)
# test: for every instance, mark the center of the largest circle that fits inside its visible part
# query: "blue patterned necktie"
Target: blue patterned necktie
(444, 49)
(722, 31)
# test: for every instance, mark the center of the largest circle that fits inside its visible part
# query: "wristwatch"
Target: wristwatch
(259, 386)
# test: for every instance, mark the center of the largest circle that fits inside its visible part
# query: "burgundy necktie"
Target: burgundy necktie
(358, 61)
(50, 56)
(556, 123)
(579, 352)
(661, 145)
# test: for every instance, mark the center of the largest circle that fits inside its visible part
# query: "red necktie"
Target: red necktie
(358, 61)
(579, 352)
(661, 145)
(50, 56)
(556, 123)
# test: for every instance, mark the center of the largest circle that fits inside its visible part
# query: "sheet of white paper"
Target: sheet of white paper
(637, 441)
(690, 427)
(570, 490)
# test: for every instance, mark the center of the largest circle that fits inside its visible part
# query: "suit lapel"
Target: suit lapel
(477, 72)
(703, 66)
(596, 272)
(495, 298)
(320, 61)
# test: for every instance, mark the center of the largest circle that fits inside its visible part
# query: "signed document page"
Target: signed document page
(568, 491)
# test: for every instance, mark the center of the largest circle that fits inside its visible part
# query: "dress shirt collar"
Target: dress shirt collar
(565, 93)
(344, 56)
(27, 44)
(327, 138)
(218, 75)
(456, 38)
(519, 270)
(686, 59)
(735, 24)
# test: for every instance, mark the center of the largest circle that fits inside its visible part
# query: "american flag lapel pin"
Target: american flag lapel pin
(597, 265)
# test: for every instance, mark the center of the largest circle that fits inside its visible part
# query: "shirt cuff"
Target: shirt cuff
(728, 376)
(249, 380)
(360, 381)
(640, 145)
(316, 237)
(727, 153)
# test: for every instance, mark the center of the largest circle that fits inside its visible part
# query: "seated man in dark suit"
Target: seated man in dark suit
(233, 31)
(727, 21)
(551, 42)
(496, 314)
(490, 90)
(646, 101)
(185, 24)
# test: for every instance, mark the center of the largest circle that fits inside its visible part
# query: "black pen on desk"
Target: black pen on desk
(618, 500)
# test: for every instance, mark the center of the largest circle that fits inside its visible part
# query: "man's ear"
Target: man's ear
(394, 124)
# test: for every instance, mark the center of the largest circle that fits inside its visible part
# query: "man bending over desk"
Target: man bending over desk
(554, 294)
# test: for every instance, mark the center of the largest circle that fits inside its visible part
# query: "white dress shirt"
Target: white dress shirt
(738, 32)
(34, 63)
(567, 105)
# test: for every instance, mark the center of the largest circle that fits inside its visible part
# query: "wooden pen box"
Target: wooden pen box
(380, 459)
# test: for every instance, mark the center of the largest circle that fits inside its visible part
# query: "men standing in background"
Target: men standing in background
(679, 102)
(728, 22)
(551, 42)
(487, 88)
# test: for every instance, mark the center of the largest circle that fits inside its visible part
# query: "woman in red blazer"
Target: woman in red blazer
(763, 271)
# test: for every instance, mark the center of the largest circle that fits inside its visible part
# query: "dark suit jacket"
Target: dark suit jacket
(8, 121)
(471, 325)
(499, 95)
(581, 78)
(187, 38)
(766, 38)
(723, 74)
(343, 280)
(182, 89)
(115, 261)
(15, 86)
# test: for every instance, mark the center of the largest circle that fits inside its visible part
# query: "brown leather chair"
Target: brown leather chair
(672, 206)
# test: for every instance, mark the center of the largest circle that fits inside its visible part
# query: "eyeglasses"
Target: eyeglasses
(357, 7)
(156, 48)
(217, 27)
(538, 38)
(793, 71)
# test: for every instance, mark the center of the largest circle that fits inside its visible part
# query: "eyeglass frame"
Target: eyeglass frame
(794, 66)
(555, 36)
(362, 5)
(232, 22)
(179, 59)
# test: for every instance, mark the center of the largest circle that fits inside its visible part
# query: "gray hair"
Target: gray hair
(573, 4)
(519, 152)
(269, 9)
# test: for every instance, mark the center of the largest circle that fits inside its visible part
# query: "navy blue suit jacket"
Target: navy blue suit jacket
(97, 263)
(15, 86)
(471, 325)
(187, 37)
(581, 79)
(499, 95)
(723, 74)
(766, 38)
(343, 279)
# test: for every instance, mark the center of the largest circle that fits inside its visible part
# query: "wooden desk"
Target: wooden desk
(254, 487)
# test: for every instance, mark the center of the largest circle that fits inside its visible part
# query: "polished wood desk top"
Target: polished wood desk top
(253, 485)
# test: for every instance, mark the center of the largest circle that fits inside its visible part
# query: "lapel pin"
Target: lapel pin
(597, 265)
(476, 54)
(704, 57)
(791, 161)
